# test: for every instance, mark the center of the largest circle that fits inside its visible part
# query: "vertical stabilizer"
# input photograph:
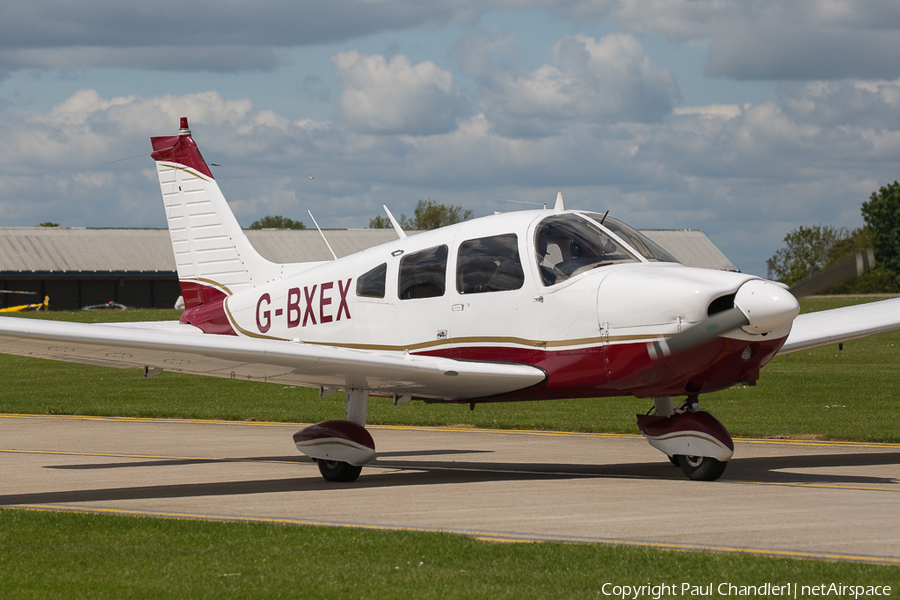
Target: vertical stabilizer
(212, 253)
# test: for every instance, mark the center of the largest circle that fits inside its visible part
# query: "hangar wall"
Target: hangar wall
(73, 293)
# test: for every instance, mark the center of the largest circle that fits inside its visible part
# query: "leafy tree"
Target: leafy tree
(882, 215)
(380, 222)
(49, 224)
(277, 222)
(429, 215)
(808, 249)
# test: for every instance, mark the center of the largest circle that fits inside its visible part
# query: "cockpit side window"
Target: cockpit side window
(489, 264)
(568, 245)
(371, 283)
(423, 274)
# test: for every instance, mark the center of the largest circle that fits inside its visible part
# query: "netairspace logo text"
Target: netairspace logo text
(726, 590)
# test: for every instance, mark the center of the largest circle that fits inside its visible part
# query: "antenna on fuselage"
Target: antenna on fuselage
(400, 233)
(322, 234)
(559, 202)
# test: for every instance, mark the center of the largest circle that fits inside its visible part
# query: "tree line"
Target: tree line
(809, 249)
(429, 214)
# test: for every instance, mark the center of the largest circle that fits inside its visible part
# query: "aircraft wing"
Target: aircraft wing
(841, 324)
(171, 346)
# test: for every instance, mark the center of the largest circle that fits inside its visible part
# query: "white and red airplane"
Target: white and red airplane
(530, 305)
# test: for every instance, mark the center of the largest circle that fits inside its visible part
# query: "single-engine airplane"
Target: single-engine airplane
(45, 305)
(529, 305)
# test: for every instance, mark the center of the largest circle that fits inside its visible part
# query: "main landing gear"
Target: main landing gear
(340, 448)
(692, 439)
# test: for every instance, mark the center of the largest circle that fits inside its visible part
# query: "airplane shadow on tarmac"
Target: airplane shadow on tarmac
(390, 470)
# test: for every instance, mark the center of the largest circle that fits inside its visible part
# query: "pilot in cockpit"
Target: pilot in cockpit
(566, 246)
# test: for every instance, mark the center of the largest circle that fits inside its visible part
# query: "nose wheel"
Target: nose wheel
(700, 468)
(335, 470)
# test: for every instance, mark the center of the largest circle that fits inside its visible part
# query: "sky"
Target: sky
(743, 118)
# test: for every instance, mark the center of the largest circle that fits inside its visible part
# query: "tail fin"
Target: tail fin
(212, 254)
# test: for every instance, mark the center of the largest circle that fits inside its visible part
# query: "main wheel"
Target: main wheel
(335, 470)
(701, 468)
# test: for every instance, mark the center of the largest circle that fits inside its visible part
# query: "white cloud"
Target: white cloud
(55, 165)
(746, 174)
(484, 51)
(203, 34)
(590, 81)
(767, 39)
(867, 104)
(393, 96)
(222, 59)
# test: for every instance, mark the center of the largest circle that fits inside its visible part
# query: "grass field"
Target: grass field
(826, 393)
(60, 555)
(849, 394)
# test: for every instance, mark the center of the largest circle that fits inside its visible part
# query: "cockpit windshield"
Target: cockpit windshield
(567, 245)
(637, 240)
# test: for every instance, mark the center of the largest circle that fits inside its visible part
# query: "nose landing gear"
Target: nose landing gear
(692, 439)
(701, 468)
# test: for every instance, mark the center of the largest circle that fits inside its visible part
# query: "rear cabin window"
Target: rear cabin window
(489, 264)
(423, 274)
(371, 284)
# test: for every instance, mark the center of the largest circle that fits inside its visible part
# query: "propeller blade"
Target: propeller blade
(851, 267)
(759, 307)
(718, 324)
(768, 308)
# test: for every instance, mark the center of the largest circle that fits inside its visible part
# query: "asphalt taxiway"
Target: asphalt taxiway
(797, 498)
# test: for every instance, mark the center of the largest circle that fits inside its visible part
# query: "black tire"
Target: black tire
(334, 470)
(701, 468)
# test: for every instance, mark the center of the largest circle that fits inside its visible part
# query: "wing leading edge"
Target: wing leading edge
(842, 324)
(181, 348)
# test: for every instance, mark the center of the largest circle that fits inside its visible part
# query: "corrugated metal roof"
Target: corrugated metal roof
(63, 249)
(691, 247)
(305, 245)
(121, 251)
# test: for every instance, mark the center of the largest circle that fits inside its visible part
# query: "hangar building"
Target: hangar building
(79, 267)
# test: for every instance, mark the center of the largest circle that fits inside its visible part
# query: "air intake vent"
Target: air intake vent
(721, 303)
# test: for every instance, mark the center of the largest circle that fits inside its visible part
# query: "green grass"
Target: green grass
(62, 555)
(849, 394)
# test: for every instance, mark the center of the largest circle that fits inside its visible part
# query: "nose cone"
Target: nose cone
(767, 305)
